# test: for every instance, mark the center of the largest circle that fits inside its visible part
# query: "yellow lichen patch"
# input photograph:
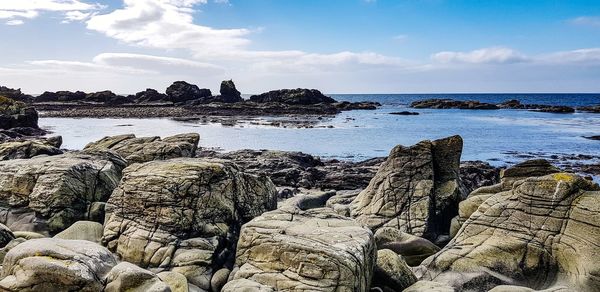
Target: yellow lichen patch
(562, 176)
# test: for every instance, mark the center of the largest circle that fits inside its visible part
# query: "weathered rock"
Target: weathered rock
(416, 190)
(46, 194)
(131, 278)
(293, 96)
(245, 285)
(476, 174)
(15, 94)
(6, 235)
(530, 168)
(183, 214)
(150, 95)
(176, 281)
(306, 250)
(28, 148)
(107, 97)
(28, 235)
(15, 114)
(229, 93)
(392, 274)
(219, 279)
(82, 230)
(181, 91)
(56, 265)
(144, 149)
(436, 103)
(413, 249)
(60, 96)
(543, 230)
(511, 288)
(10, 245)
(429, 286)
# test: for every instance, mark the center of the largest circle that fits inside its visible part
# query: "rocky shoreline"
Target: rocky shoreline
(437, 103)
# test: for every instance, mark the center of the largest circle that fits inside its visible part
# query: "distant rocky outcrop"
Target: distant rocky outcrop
(516, 104)
(184, 215)
(181, 91)
(149, 96)
(540, 232)
(437, 103)
(15, 94)
(60, 96)
(144, 149)
(416, 190)
(293, 96)
(229, 93)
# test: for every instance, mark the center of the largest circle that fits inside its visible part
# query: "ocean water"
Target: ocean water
(489, 135)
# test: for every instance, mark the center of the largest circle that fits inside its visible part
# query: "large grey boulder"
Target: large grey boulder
(48, 194)
(144, 149)
(131, 278)
(83, 230)
(56, 265)
(416, 190)
(290, 249)
(392, 274)
(543, 231)
(183, 215)
(21, 149)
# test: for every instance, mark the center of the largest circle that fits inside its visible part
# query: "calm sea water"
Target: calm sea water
(356, 135)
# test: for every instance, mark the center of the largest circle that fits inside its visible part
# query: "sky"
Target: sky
(336, 46)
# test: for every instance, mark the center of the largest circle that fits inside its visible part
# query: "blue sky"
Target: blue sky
(351, 46)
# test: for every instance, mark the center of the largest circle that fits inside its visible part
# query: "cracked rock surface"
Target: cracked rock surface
(183, 215)
(290, 249)
(144, 149)
(416, 190)
(543, 232)
(48, 194)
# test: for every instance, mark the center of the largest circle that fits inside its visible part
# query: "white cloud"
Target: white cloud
(17, 10)
(162, 65)
(493, 55)
(593, 21)
(15, 22)
(583, 56)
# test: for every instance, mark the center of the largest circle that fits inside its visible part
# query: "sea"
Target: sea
(496, 136)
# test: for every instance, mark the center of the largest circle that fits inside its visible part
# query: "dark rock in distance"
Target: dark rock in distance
(439, 103)
(229, 93)
(181, 91)
(293, 96)
(404, 113)
(60, 96)
(150, 95)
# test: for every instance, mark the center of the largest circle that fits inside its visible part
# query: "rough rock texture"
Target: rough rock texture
(476, 174)
(183, 214)
(451, 103)
(181, 91)
(529, 168)
(56, 265)
(176, 281)
(48, 194)
(6, 235)
(392, 274)
(293, 96)
(544, 231)
(306, 250)
(15, 114)
(144, 149)
(416, 190)
(229, 93)
(429, 286)
(150, 95)
(22, 149)
(131, 278)
(413, 249)
(82, 230)
(15, 94)
(245, 285)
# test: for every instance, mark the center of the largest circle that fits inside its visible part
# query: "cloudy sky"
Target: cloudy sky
(338, 46)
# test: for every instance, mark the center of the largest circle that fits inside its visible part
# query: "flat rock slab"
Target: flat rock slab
(314, 250)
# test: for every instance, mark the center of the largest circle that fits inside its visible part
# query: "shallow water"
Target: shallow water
(356, 135)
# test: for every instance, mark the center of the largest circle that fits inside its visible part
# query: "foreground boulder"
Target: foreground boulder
(22, 149)
(413, 249)
(181, 91)
(392, 274)
(48, 194)
(131, 278)
(144, 149)
(293, 96)
(304, 250)
(14, 114)
(183, 215)
(542, 232)
(56, 265)
(416, 190)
